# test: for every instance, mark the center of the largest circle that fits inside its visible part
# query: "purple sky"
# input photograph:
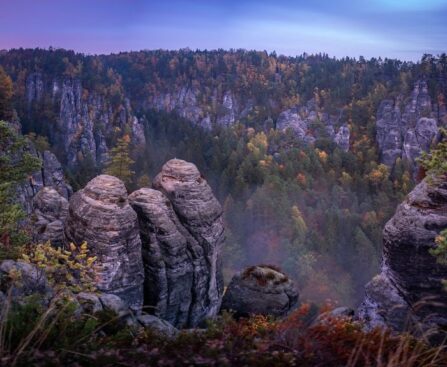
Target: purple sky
(403, 29)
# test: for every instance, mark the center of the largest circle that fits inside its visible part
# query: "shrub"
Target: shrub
(435, 162)
(73, 270)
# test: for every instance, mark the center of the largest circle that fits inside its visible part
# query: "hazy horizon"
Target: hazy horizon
(394, 29)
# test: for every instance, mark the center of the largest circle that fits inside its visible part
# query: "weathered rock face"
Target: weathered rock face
(201, 214)
(182, 233)
(77, 120)
(405, 128)
(168, 265)
(50, 211)
(342, 137)
(53, 175)
(409, 288)
(301, 118)
(49, 175)
(100, 214)
(222, 109)
(85, 119)
(261, 290)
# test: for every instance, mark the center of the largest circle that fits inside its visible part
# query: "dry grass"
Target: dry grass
(299, 340)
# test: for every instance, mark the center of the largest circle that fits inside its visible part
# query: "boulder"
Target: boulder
(158, 325)
(261, 289)
(89, 302)
(100, 214)
(409, 292)
(112, 302)
(19, 280)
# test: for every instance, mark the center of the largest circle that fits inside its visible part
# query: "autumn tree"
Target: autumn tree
(6, 93)
(120, 162)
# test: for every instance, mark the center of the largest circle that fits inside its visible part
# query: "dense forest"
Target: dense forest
(315, 210)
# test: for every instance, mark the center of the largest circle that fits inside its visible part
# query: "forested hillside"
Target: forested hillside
(289, 145)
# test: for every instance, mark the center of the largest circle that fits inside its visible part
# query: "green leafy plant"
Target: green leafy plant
(435, 162)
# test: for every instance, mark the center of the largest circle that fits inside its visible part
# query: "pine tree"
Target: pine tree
(120, 162)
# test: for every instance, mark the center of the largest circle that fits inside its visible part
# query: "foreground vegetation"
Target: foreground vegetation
(59, 336)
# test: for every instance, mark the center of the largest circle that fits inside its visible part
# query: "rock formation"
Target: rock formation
(261, 289)
(50, 211)
(50, 175)
(300, 120)
(100, 214)
(20, 280)
(409, 292)
(84, 119)
(182, 233)
(168, 266)
(226, 109)
(405, 128)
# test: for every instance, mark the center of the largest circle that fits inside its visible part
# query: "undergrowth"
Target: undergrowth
(33, 336)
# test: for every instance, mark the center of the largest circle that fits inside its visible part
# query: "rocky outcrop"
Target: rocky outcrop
(76, 124)
(261, 289)
(50, 211)
(85, 118)
(222, 109)
(53, 175)
(100, 214)
(301, 121)
(168, 266)
(342, 137)
(182, 233)
(182, 100)
(291, 119)
(409, 291)
(407, 127)
(34, 88)
(50, 174)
